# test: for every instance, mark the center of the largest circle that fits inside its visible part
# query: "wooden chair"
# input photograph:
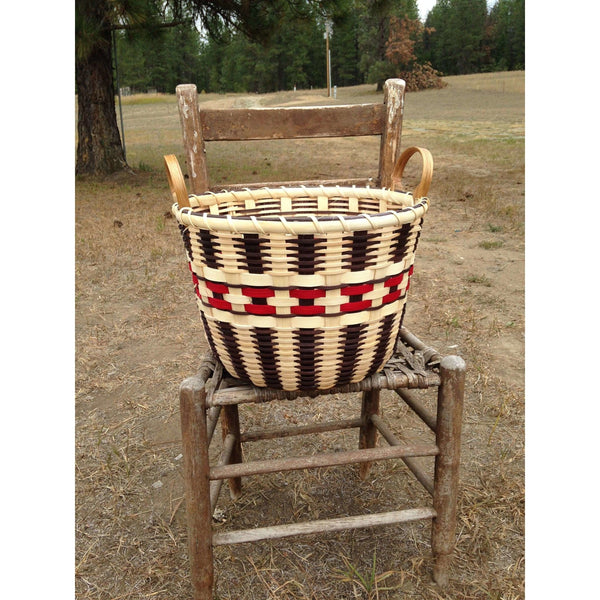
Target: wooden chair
(212, 394)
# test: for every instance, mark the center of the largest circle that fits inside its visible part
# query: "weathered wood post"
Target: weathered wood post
(191, 129)
(368, 431)
(393, 99)
(447, 462)
(230, 424)
(192, 397)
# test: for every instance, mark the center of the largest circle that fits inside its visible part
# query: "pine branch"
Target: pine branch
(131, 26)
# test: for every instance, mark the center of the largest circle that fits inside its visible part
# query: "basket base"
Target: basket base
(303, 359)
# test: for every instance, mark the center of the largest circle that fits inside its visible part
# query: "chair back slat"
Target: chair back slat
(292, 123)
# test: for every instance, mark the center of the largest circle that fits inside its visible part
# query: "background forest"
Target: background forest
(371, 40)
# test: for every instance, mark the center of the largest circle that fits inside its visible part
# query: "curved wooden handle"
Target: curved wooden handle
(423, 187)
(176, 181)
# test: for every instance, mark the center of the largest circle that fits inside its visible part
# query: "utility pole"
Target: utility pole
(326, 35)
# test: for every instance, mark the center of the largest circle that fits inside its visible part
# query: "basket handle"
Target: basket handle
(176, 181)
(423, 187)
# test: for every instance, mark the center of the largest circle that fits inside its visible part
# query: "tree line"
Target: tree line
(267, 45)
(371, 40)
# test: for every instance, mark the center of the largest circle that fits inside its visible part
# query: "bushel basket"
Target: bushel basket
(302, 288)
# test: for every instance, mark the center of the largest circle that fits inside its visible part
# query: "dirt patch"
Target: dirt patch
(138, 336)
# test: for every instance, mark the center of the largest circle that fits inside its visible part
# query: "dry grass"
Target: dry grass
(138, 336)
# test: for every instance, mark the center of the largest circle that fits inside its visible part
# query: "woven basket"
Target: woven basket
(302, 288)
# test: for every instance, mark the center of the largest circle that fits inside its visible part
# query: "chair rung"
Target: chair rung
(324, 525)
(424, 479)
(415, 404)
(269, 434)
(321, 460)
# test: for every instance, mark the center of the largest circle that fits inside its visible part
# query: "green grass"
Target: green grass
(368, 582)
(479, 280)
(491, 244)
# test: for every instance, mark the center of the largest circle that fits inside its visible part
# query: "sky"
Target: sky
(424, 7)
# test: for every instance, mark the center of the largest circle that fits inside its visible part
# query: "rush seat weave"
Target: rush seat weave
(302, 288)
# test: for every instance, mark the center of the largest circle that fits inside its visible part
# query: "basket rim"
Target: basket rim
(310, 191)
(198, 217)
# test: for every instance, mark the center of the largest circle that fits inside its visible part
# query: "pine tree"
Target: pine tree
(456, 46)
(507, 22)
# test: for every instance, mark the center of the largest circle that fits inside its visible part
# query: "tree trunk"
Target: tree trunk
(99, 149)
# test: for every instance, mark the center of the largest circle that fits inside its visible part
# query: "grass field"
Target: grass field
(138, 335)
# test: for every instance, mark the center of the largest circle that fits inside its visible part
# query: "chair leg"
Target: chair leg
(368, 431)
(447, 462)
(230, 423)
(192, 396)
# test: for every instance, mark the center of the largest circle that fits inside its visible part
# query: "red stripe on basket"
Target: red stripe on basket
(258, 292)
(356, 290)
(307, 294)
(396, 280)
(217, 288)
(260, 309)
(218, 303)
(410, 271)
(355, 306)
(391, 297)
(194, 276)
(308, 310)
